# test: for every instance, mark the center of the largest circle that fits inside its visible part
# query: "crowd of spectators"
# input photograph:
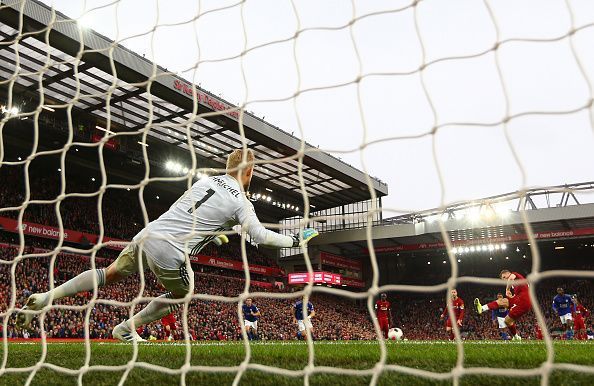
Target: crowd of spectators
(336, 317)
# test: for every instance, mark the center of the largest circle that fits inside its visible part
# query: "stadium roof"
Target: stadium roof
(329, 182)
(478, 223)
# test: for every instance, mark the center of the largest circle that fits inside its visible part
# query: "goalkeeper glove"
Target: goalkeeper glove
(306, 234)
(220, 240)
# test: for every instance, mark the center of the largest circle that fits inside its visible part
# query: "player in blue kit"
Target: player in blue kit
(564, 306)
(303, 323)
(498, 316)
(250, 319)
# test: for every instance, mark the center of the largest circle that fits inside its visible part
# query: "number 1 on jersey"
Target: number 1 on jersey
(209, 194)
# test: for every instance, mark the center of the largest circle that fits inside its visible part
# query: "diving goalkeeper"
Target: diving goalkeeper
(212, 205)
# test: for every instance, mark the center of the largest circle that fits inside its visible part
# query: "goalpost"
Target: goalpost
(35, 46)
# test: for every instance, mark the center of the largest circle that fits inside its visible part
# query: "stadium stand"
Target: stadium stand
(337, 318)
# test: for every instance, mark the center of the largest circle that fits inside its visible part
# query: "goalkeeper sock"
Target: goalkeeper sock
(80, 283)
(156, 309)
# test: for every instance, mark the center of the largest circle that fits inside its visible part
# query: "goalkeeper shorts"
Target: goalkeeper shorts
(176, 281)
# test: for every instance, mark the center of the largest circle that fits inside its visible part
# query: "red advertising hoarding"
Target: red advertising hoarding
(111, 143)
(340, 262)
(318, 277)
(49, 232)
(235, 265)
(203, 97)
(350, 282)
(511, 238)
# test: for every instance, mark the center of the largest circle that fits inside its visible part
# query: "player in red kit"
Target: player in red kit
(383, 312)
(169, 324)
(458, 307)
(580, 315)
(518, 302)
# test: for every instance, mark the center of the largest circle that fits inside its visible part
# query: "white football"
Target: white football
(395, 334)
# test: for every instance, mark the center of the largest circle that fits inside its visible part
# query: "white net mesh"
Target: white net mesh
(38, 56)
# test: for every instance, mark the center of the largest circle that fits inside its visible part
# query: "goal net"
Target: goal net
(111, 110)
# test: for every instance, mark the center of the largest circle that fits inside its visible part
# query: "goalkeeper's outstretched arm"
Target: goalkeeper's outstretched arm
(251, 224)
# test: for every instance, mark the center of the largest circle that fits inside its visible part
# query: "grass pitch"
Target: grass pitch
(437, 357)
